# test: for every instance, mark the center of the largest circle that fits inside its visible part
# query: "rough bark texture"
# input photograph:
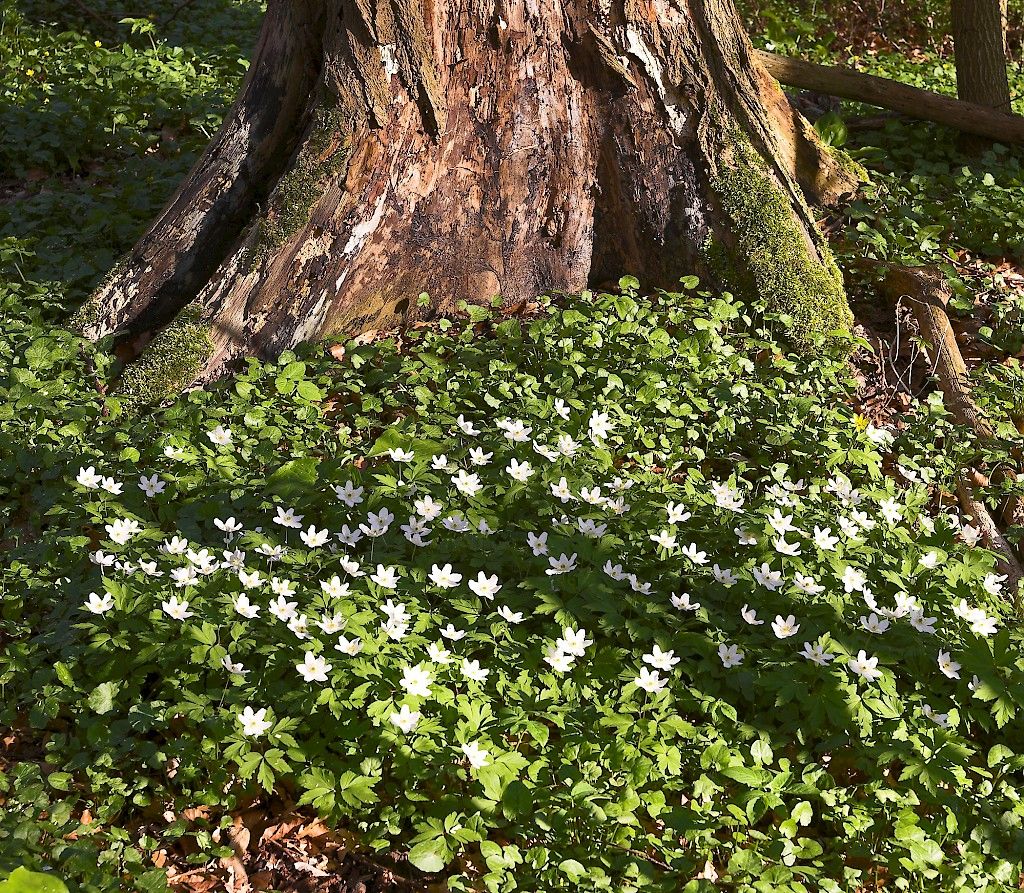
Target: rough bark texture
(979, 38)
(469, 148)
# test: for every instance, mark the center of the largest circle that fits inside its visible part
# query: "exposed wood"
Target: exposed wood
(910, 101)
(468, 149)
(979, 40)
(927, 294)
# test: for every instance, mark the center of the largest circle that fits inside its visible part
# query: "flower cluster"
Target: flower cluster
(540, 591)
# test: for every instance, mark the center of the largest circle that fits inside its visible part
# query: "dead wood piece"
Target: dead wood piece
(914, 102)
(926, 292)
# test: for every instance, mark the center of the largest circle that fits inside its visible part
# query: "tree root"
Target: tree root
(926, 292)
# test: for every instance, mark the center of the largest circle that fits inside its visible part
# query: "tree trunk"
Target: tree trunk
(473, 148)
(979, 39)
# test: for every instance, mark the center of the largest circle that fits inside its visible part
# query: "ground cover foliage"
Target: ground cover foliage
(742, 637)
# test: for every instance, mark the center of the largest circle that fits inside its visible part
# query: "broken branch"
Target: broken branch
(924, 105)
(928, 294)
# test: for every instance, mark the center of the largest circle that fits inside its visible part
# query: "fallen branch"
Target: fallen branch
(926, 292)
(992, 535)
(911, 101)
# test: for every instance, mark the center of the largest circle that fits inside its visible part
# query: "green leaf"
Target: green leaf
(573, 869)
(307, 390)
(356, 790)
(294, 478)
(752, 778)
(926, 851)
(21, 880)
(430, 855)
(832, 129)
(393, 439)
(517, 799)
(101, 698)
(998, 754)
(61, 781)
(265, 776)
(761, 751)
(63, 673)
(803, 812)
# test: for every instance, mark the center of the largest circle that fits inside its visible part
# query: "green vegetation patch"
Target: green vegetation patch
(618, 591)
(169, 363)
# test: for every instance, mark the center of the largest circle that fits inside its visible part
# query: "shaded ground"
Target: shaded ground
(911, 27)
(276, 846)
(281, 849)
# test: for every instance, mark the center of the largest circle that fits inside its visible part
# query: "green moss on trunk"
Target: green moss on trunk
(770, 250)
(850, 168)
(86, 316)
(170, 362)
(322, 156)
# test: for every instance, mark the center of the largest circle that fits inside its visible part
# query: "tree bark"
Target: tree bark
(835, 80)
(473, 148)
(979, 40)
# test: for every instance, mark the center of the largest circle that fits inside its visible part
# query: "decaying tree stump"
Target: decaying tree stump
(471, 148)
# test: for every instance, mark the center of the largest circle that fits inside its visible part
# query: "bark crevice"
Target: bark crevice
(468, 150)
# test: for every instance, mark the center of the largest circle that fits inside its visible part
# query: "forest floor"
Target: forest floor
(102, 115)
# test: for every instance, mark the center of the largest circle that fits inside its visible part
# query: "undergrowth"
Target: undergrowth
(612, 596)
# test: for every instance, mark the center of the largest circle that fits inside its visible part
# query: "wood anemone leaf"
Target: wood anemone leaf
(21, 880)
(430, 855)
(295, 478)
